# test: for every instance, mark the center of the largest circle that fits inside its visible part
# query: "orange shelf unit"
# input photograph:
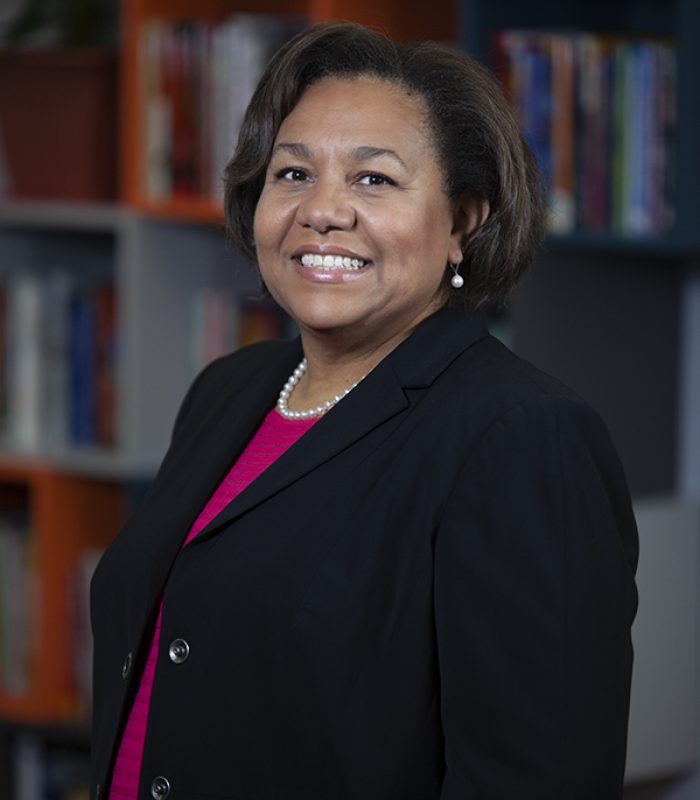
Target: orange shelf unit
(404, 19)
(67, 515)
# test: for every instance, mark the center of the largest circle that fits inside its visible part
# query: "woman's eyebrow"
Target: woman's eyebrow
(367, 152)
(294, 149)
(362, 153)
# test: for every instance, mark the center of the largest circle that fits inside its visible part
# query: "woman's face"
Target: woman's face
(353, 229)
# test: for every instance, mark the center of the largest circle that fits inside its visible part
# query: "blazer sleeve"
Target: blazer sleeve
(535, 557)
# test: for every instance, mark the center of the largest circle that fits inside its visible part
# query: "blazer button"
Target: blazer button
(179, 651)
(160, 788)
(126, 667)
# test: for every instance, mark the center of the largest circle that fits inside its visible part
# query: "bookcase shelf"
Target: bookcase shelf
(193, 210)
(605, 297)
(677, 21)
(73, 217)
(663, 247)
(408, 20)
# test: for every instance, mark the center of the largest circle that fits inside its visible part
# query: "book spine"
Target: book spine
(669, 80)
(563, 200)
(602, 126)
(82, 369)
(105, 367)
(182, 93)
(156, 146)
(59, 286)
(25, 314)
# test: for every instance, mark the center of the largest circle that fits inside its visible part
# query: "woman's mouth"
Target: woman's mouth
(331, 262)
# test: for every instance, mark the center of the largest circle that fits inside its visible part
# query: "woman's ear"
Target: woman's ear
(470, 214)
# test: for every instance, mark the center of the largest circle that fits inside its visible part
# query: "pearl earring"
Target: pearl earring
(456, 280)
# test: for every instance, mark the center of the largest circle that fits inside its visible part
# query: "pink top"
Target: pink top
(275, 435)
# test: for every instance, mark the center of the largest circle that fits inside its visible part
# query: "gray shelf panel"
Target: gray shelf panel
(615, 244)
(663, 709)
(93, 462)
(77, 217)
(478, 19)
(607, 326)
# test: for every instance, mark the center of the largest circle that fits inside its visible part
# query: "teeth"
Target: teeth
(331, 262)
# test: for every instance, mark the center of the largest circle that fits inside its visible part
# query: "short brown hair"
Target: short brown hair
(477, 141)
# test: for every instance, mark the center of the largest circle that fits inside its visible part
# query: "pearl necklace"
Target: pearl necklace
(288, 388)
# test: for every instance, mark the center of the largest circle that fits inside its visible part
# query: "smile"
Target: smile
(331, 262)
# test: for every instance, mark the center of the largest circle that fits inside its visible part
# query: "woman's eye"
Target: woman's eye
(291, 174)
(376, 179)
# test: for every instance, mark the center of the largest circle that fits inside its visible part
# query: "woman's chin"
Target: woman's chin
(324, 323)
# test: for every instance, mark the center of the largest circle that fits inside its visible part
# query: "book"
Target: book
(599, 114)
(58, 369)
(562, 196)
(54, 423)
(25, 305)
(105, 365)
(197, 79)
(82, 405)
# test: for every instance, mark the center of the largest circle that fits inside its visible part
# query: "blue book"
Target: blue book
(82, 369)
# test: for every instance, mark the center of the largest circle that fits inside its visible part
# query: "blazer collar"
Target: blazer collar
(434, 345)
(196, 465)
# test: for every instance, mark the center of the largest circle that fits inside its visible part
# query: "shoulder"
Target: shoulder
(536, 443)
(536, 432)
(465, 366)
(509, 418)
(497, 387)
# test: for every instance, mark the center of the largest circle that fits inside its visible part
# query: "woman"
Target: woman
(389, 559)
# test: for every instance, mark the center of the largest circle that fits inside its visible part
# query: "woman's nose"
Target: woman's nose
(326, 206)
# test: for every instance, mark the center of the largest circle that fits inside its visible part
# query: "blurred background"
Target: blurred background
(117, 286)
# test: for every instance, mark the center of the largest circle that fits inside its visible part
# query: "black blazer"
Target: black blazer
(428, 596)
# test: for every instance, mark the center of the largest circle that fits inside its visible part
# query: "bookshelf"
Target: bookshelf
(65, 515)
(606, 313)
(578, 300)
(617, 318)
(408, 20)
(678, 20)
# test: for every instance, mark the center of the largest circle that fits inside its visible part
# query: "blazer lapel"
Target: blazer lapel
(416, 362)
(373, 401)
(197, 463)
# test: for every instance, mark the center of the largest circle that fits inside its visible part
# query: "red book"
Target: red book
(562, 197)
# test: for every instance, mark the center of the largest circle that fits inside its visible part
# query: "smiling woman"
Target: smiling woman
(368, 189)
(409, 571)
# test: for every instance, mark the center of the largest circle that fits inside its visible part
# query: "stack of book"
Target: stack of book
(600, 114)
(57, 362)
(197, 79)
